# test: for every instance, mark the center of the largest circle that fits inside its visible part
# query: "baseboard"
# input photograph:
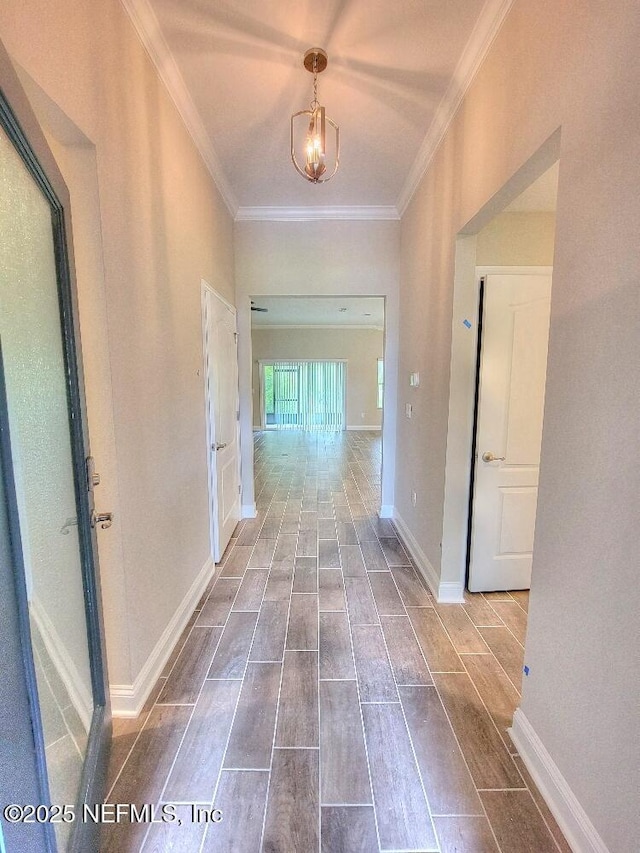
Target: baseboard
(358, 428)
(563, 803)
(79, 692)
(386, 511)
(127, 700)
(444, 592)
(248, 511)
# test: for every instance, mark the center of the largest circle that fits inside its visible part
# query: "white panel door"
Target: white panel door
(513, 366)
(221, 363)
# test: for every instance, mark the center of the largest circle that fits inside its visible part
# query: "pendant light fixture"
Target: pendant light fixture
(309, 148)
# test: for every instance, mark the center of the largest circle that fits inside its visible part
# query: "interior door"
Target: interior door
(52, 581)
(221, 364)
(512, 373)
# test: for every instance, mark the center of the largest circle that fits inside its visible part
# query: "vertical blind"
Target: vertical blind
(307, 395)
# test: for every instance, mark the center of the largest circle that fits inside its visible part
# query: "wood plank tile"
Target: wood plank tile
(186, 678)
(360, 603)
(495, 689)
(434, 641)
(331, 590)
(508, 651)
(446, 779)
(374, 560)
(328, 554)
(262, 554)
(195, 772)
(298, 708)
(480, 611)
(401, 809)
(172, 837)
(514, 617)
(232, 653)
(383, 527)
(522, 597)
(242, 799)
(292, 811)
(364, 530)
(279, 584)
(305, 578)
(346, 533)
(393, 551)
(342, 513)
(303, 622)
(345, 776)
(325, 509)
(407, 662)
(307, 544)
(289, 525)
(125, 732)
(237, 562)
(251, 590)
(487, 757)
(277, 507)
(461, 630)
(465, 835)
(284, 554)
(250, 531)
(336, 657)
(182, 639)
(251, 738)
(412, 589)
(309, 522)
(549, 819)
(373, 670)
(351, 829)
(386, 595)
(352, 562)
(327, 528)
(517, 823)
(271, 529)
(271, 631)
(218, 606)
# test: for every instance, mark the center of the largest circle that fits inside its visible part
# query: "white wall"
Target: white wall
(576, 69)
(317, 258)
(361, 348)
(150, 225)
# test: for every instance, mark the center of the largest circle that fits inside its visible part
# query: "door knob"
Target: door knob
(104, 519)
(489, 457)
(219, 446)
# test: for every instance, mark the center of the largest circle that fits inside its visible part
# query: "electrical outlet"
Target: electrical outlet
(408, 410)
(414, 498)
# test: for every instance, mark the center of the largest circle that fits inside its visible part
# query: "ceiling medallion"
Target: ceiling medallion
(310, 147)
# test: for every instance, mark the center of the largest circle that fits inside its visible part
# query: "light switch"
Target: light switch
(414, 380)
(408, 409)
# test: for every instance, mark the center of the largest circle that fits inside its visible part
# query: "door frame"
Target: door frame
(24, 131)
(212, 474)
(481, 273)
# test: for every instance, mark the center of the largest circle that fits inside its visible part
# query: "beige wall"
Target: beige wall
(149, 224)
(360, 347)
(517, 239)
(579, 697)
(327, 258)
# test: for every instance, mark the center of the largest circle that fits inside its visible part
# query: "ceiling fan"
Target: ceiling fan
(254, 307)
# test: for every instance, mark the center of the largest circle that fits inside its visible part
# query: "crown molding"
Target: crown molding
(310, 214)
(486, 29)
(148, 29)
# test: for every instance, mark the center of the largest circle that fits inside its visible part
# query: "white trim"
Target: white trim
(249, 510)
(444, 592)
(450, 592)
(150, 34)
(364, 428)
(572, 819)
(480, 271)
(79, 692)
(127, 700)
(486, 29)
(314, 214)
(386, 511)
(259, 327)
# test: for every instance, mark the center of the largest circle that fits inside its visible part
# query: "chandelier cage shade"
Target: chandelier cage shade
(313, 149)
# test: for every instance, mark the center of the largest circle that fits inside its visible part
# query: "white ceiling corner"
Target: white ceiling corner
(486, 29)
(314, 214)
(146, 24)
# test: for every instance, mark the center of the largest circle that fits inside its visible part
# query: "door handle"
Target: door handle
(219, 446)
(489, 457)
(104, 519)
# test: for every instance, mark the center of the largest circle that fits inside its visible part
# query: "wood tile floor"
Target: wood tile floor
(321, 699)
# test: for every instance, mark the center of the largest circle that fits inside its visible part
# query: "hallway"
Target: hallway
(321, 699)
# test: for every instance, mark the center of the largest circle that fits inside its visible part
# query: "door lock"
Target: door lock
(104, 519)
(489, 457)
(219, 446)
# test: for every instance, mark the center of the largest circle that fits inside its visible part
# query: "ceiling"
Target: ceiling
(396, 72)
(365, 311)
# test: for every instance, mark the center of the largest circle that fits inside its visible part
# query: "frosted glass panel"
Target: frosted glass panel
(30, 334)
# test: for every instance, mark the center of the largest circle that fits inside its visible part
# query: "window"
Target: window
(304, 395)
(380, 382)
